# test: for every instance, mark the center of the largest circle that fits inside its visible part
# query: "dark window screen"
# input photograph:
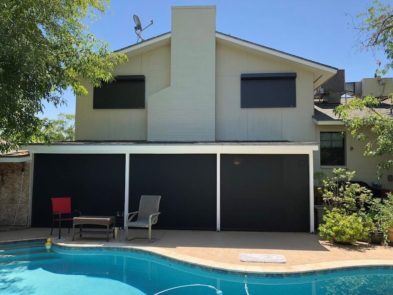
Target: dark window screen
(332, 148)
(270, 90)
(125, 92)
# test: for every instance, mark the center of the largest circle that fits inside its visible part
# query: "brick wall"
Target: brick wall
(14, 194)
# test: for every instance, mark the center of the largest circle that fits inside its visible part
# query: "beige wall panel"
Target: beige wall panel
(124, 124)
(235, 123)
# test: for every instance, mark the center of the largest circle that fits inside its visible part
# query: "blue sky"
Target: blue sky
(322, 30)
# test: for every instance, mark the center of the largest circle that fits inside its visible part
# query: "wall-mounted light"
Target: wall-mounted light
(236, 162)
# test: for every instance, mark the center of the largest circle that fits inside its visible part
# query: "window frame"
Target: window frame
(98, 105)
(250, 101)
(344, 149)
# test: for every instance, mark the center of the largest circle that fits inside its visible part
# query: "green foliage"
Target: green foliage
(60, 129)
(341, 227)
(338, 192)
(373, 128)
(377, 23)
(45, 48)
(346, 219)
(360, 115)
(381, 213)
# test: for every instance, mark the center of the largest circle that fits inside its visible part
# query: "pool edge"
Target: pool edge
(258, 270)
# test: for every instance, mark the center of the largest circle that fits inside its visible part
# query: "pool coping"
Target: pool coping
(264, 269)
(209, 265)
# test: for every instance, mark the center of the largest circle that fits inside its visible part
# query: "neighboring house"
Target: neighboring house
(221, 127)
(338, 148)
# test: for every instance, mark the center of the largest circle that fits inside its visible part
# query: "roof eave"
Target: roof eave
(145, 43)
(323, 72)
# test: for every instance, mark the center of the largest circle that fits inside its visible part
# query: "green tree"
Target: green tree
(44, 49)
(60, 129)
(377, 23)
(363, 116)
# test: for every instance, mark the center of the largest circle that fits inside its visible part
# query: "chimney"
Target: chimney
(186, 110)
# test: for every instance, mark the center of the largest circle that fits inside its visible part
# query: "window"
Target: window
(125, 92)
(268, 90)
(332, 148)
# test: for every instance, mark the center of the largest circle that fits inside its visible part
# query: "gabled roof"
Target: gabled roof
(275, 52)
(145, 43)
(323, 72)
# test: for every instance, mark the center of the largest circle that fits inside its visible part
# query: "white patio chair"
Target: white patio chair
(147, 215)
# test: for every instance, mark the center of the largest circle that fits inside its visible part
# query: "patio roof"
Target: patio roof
(15, 157)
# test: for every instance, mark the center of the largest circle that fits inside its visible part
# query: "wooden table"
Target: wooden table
(106, 221)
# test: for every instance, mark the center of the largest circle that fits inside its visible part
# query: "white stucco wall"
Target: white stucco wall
(365, 167)
(235, 123)
(124, 124)
(185, 111)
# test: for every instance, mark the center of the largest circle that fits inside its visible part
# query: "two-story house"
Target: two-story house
(221, 127)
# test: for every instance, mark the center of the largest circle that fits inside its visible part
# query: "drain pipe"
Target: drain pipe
(20, 194)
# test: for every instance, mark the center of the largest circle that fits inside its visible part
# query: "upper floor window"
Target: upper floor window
(268, 90)
(125, 92)
(332, 148)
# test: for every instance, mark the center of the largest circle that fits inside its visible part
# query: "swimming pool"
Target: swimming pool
(28, 268)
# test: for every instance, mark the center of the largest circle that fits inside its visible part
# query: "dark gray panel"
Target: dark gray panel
(94, 182)
(187, 184)
(268, 90)
(126, 92)
(265, 192)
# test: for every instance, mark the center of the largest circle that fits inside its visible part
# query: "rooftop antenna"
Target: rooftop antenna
(138, 28)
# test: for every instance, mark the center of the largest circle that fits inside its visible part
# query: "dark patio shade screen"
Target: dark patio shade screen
(268, 90)
(125, 92)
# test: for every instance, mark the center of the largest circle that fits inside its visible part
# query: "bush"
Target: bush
(344, 228)
(339, 192)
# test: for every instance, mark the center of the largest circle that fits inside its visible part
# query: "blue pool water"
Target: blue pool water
(28, 268)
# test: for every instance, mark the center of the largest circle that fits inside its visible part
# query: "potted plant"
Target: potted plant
(388, 217)
(381, 213)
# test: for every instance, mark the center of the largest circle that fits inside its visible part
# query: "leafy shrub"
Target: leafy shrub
(341, 227)
(381, 212)
(338, 192)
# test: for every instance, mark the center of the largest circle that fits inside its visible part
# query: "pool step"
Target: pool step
(22, 251)
(21, 245)
(21, 259)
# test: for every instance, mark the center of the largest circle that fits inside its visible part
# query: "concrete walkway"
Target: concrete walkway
(303, 251)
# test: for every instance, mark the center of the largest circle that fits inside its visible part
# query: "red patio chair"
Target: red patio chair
(61, 212)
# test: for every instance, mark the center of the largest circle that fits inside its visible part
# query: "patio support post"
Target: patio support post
(31, 176)
(311, 175)
(218, 193)
(126, 192)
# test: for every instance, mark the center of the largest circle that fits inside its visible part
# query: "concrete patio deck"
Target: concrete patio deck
(304, 252)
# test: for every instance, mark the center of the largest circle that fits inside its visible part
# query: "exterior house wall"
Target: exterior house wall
(14, 194)
(377, 86)
(365, 167)
(235, 123)
(185, 111)
(124, 124)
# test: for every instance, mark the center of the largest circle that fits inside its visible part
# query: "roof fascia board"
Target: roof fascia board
(176, 149)
(328, 123)
(145, 43)
(14, 159)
